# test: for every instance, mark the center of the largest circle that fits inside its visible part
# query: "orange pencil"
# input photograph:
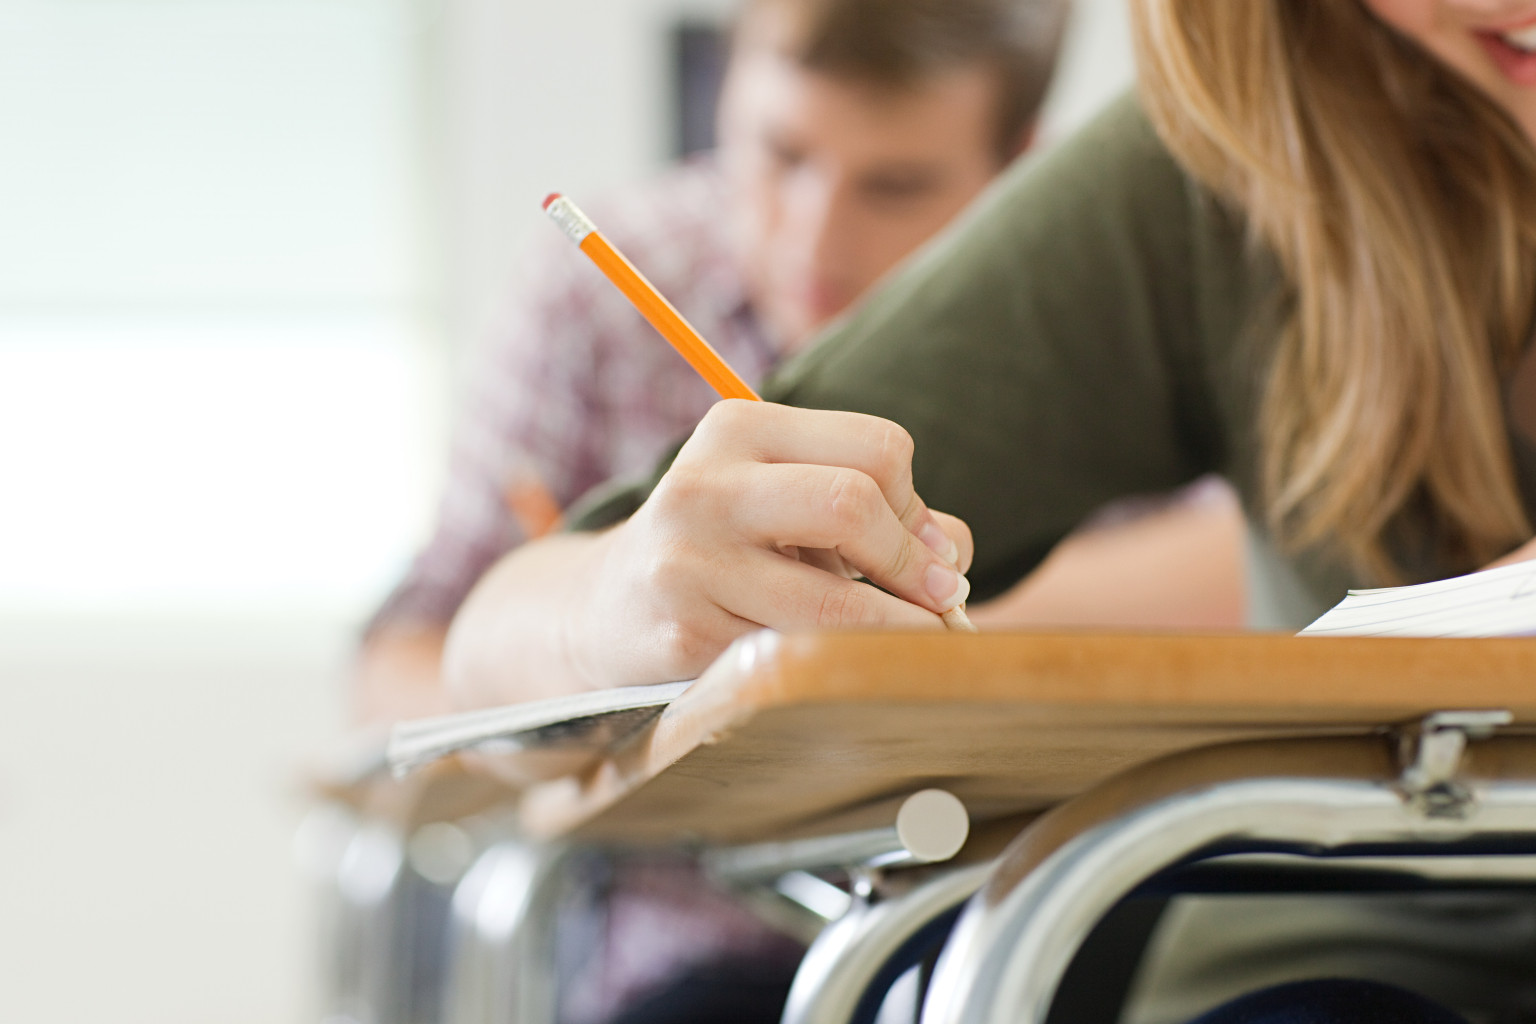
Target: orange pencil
(651, 304)
(665, 318)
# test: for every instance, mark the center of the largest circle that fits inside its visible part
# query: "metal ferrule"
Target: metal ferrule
(571, 220)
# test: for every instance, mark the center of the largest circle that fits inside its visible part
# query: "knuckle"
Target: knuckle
(844, 605)
(684, 635)
(904, 560)
(850, 500)
(664, 570)
(723, 421)
(684, 487)
(707, 434)
(894, 446)
(685, 645)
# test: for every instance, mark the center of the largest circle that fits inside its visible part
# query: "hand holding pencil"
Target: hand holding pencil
(856, 468)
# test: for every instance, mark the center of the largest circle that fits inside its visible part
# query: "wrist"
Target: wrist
(583, 627)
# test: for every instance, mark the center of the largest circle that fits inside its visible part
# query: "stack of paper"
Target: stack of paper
(1494, 602)
(563, 732)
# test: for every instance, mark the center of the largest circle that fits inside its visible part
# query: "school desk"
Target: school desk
(1147, 751)
(789, 732)
(1127, 754)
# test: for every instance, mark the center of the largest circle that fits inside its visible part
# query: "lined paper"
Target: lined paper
(1494, 602)
(583, 724)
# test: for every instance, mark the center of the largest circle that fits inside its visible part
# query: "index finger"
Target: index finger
(876, 447)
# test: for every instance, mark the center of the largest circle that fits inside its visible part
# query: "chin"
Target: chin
(791, 333)
(793, 339)
(797, 323)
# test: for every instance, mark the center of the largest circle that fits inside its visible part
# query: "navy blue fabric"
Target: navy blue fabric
(725, 992)
(1331, 1001)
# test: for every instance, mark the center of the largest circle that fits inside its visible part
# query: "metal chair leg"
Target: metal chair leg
(1420, 794)
(839, 979)
(503, 950)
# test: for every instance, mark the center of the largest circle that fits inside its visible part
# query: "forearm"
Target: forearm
(398, 674)
(1176, 567)
(511, 640)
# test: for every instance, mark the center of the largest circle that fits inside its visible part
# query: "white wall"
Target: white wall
(217, 310)
(217, 364)
(1097, 64)
(536, 98)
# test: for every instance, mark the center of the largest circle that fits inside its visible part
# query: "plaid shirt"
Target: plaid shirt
(575, 388)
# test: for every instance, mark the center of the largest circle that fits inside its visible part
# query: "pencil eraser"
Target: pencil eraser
(550, 198)
(571, 220)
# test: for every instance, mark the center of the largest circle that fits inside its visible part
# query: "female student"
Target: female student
(1304, 257)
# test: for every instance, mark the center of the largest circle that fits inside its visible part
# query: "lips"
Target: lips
(1514, 52)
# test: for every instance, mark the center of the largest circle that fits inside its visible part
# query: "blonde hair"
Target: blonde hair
(1401, 205)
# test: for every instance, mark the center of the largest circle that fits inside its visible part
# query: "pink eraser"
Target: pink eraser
(550, 198)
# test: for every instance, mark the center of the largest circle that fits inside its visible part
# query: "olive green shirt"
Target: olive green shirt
(1097, 326)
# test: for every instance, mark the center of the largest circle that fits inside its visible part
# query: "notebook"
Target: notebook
(1494, 602)
(555, 736)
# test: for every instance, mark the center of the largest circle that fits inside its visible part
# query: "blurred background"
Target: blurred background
(243, 244)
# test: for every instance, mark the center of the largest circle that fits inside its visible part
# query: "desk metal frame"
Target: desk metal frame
(1326, 797)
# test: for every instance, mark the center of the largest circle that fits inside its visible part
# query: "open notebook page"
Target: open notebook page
(1494, 602)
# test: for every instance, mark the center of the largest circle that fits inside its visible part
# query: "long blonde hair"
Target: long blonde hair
(1401, 205)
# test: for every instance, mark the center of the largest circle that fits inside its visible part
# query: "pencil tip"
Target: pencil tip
(550, 198)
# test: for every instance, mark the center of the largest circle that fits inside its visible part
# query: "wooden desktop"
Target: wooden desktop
(792, 733)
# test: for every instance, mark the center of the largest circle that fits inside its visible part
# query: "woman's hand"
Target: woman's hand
(765, 519)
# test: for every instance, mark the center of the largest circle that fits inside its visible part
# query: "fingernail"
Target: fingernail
(947, 587)
(939, 541)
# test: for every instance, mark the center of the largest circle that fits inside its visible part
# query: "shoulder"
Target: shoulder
(1112, 190)
(1116, 147)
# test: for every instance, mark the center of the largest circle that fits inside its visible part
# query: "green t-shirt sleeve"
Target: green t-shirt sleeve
(1042, 351)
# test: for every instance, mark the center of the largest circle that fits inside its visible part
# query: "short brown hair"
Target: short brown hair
(897, 43)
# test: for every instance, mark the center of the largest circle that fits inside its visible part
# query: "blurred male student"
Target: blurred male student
(850, 132)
